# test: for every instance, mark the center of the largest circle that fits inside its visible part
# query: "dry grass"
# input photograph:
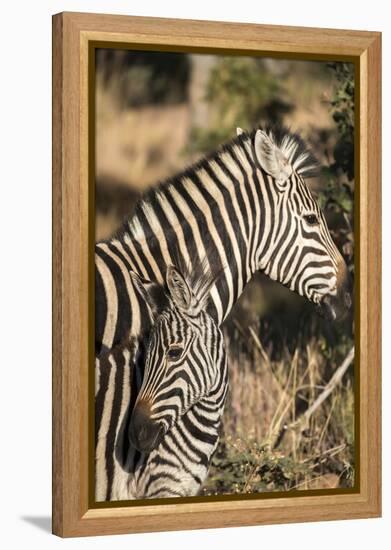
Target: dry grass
(263, 447)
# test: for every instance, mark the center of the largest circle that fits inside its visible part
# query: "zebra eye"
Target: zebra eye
(174, 352)
(311, 219)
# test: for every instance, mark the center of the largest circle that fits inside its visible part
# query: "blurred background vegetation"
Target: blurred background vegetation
(156, 113)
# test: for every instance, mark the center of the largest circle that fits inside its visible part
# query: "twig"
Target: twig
(318, 458)
(258, 345)
(323, 432)
(242, 332)
(276, 433)
(265, 357)
(276, 420)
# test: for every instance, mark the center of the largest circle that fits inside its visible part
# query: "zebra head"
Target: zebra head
(296, 247)
(185, 362)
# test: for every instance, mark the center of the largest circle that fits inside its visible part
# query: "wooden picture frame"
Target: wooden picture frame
(74, 37)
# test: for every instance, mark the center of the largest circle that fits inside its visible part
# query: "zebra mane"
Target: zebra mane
(199, 275)
(290, 144)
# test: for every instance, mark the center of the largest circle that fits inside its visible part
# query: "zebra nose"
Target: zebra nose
(348, 299)
(346, 290)
(144, 433)
(335, 307)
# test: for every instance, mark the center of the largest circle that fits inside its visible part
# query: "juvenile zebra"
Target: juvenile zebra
(164, 439)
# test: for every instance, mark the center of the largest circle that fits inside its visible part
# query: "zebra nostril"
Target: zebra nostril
(143, 433)
(348, 300)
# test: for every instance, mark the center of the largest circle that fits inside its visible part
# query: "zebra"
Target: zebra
(246, 206)
(162, 443)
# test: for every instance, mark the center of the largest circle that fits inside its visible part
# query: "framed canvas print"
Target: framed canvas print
(216, 240)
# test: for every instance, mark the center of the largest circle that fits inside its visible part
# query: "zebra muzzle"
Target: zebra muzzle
(144, 434)
(334, 308)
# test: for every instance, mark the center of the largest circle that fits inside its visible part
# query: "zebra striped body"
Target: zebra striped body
(115, 385)
(246, 207)
(162, 446)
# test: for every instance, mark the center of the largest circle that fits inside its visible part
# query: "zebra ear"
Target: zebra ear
(152, 293)
(271, 158)
(180, 291)
(239, 131)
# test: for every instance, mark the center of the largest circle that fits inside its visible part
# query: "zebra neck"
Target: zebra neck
(202, 422)
(212, 405)
(210, 211)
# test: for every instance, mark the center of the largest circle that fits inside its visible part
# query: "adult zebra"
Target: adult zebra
(245, 206)
(162, 445)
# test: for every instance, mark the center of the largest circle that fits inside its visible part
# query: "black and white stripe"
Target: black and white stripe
(115, 387)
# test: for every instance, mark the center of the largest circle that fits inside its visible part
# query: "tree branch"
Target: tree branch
(303, 420)
(333, 382)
